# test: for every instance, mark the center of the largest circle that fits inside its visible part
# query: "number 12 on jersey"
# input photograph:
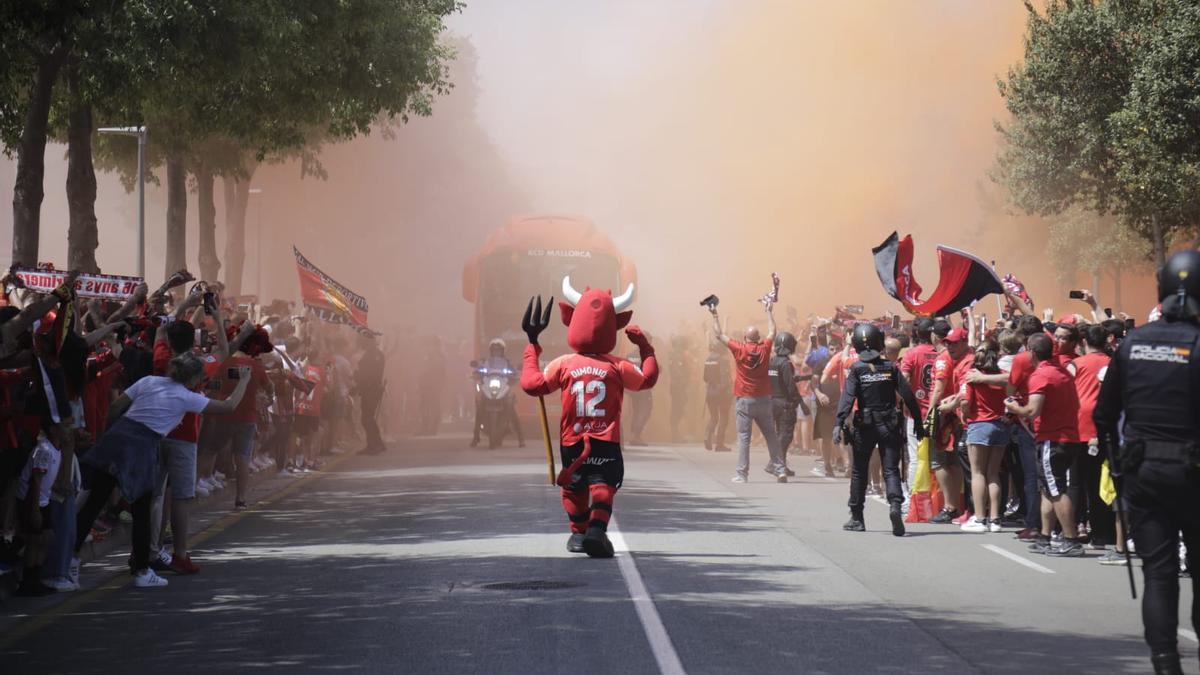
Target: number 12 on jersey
(588, 397)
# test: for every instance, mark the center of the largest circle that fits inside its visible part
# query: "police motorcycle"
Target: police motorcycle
(493, 399)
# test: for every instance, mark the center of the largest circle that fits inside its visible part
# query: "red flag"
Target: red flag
(963, 278)
(328, 299)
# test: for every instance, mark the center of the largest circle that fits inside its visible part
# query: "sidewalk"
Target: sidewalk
(104, 563)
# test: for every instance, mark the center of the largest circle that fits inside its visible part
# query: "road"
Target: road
(437, 558)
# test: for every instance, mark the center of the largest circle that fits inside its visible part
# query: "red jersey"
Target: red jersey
(309, 404)
(1089, 375)
(103, 371)
(1018, 375)
(917, 367)
(1059, 420)
(247, 410)
(838, 368)
(985, 402)
(593, 387)
(750, 360)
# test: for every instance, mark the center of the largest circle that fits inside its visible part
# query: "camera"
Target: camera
(1075, 295)
(710, 302)
(233, 373)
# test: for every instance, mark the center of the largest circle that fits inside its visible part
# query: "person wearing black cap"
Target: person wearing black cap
(874, 384)
(1150, 402)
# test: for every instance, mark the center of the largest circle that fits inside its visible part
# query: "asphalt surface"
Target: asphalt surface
(438, 558)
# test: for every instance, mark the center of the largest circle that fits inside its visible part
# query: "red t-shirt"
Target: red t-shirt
(1089, 374)
(985, 402)
(593, 388)
(838, 368)
(1059, 420)
(750, 360)
(247, 410)
(1018, 375)
(917, 367)
(189, 427)
(309, 404)
(97, 391)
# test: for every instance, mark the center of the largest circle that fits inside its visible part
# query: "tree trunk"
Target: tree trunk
(31, 161)
(210, 264)
(1160, 244)
(176, 258)
(1118, 306)
(237, 198)
(82, 235)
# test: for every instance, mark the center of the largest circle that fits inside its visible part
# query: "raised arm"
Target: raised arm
(717, 330)
(230, 404)
(131, 303)
(771, 328)
(633, 378)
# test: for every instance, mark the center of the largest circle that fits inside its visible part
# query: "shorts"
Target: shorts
(177, 462)
(305, 425)
(1054, 462)
(990, 432)
(603, 466)
(239, 435)
(811, 402)
(941, 458)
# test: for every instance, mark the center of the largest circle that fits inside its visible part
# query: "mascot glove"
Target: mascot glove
(637, 337)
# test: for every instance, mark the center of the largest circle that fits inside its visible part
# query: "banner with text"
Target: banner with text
(328, 299)
(103, 286)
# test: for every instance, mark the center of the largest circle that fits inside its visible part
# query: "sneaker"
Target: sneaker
(219, 475)
(202, 490)
(963, 518)
(854, 525)
(148, 579)
(61, 584)
(973, 524)
(216, 484)
(1069, 549)
(789, 472)
(1113, 557)
(1040, 545)
(575, 543)
(207, 485)
(1056, 538)
(125, 517)
(781, 478)
(184, 565)
(994, 525)
(897, 521)
(73, 570)
(162, 562)
(722, 448)
(739, 478)
(239, 506)
(944, 517)
(1029, 534)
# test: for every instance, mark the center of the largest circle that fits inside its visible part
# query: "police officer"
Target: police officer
(1154, 382)
(784, 395)
(874, 384)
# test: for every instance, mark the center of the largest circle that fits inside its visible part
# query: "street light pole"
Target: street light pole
(258, 245)
(140, 132)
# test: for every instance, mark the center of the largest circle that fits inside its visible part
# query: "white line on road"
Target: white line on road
(656, 633)
(1018, 559)
(1183, 632)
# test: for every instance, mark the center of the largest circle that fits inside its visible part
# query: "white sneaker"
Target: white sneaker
(148, 579)
(219, 476)
(216, 484)
(202, 489)
(61, 584)
(73, 571)
(994, 525)
(974, 525)
(739, 478)
(164, 556)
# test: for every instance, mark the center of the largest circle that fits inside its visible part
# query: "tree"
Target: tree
(1096, 245)
(1091, 70)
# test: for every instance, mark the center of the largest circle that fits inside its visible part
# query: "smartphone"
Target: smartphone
(233, 374)
(210, 303)
(1075, 295)
(895, 322)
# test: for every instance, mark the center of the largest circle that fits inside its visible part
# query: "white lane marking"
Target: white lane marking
(1018, 559)
(656, 633)
(1183, 632)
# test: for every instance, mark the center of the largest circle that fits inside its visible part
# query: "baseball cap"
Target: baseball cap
(941, 328)
(956, 335)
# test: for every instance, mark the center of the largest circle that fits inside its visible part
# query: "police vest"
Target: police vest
(782, 375)
(1160, 394)
(877, 386)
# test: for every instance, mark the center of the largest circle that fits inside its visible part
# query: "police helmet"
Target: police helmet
(867, 341)
(785, 344)
(497, 343)
(1179, 285)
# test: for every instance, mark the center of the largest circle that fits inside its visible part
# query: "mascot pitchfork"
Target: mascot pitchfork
(593, 384)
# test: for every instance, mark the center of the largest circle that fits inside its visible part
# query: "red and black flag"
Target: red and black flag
(328, 299)
(963, 278)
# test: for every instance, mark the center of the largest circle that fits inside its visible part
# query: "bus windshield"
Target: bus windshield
(509, 278)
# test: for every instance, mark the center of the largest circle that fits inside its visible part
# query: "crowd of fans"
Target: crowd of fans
(131, 411)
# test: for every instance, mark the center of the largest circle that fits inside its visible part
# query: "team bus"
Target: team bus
(529, 256)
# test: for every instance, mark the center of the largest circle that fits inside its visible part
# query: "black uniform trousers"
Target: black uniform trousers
(891, 442)
(784, 412)
(1164, 500)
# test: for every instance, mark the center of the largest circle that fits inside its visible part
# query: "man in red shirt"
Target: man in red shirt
(752, 392)
(1089, 371)
(1054, 407)
(945, 462)
(917, 368)
(240, 428)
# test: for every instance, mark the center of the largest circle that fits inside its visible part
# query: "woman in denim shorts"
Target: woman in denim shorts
(988, 434)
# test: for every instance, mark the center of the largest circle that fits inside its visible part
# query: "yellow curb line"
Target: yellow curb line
(122, 579)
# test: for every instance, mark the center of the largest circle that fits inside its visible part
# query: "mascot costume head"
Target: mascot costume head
(593, 317)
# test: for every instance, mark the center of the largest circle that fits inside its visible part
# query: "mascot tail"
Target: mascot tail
(564, 476)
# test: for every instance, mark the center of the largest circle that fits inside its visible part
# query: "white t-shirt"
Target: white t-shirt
(44, 460)
(344, 373)
(160, 403)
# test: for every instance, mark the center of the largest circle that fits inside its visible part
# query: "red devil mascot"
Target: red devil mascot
(593, 382)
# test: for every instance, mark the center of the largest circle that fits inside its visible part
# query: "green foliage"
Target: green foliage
(1081, 241)
(1106, 113)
